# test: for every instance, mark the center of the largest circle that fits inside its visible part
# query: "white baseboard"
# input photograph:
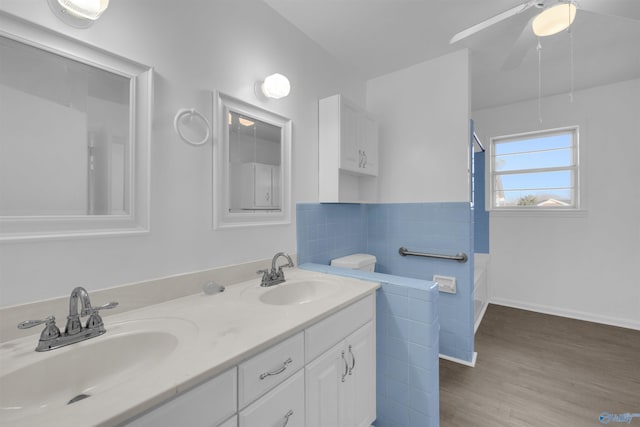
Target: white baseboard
(460, 361)
(572, 314)
(483, 310)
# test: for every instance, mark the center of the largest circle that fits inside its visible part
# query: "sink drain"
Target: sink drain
(78, 398)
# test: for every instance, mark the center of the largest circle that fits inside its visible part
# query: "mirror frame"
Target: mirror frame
(20, 228)
(222, 218)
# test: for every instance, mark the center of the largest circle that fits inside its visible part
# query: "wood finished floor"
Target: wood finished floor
(539, 370)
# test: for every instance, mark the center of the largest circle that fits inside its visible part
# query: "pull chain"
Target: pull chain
(539, 49)
(571, 66)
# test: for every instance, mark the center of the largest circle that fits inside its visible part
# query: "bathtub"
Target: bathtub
(480, 287)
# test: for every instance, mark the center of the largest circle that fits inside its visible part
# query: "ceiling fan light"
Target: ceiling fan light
(87, 9)
(554, 19)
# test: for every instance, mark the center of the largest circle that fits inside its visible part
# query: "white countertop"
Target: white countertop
(216, 332)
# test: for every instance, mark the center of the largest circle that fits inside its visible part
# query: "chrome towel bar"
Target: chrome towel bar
(460, 257)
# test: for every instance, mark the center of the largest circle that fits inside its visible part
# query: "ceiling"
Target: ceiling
(376, 37)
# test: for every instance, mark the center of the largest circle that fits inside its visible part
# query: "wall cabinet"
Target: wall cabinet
(340, 384)
(260, 186)
(348, 151)
(357, 137)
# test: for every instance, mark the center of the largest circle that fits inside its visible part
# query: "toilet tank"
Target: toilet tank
(364, 262)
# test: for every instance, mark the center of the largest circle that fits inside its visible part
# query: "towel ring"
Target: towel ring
(191, 112)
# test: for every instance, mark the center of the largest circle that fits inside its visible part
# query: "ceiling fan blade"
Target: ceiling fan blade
(491, 21)
(525, 42)
(629, 9)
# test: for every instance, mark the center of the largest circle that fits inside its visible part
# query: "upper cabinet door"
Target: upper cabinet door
(369, 154)
(350, 137)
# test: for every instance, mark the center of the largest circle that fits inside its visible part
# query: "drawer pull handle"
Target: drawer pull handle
(277, 371)
(353, 361)
(346, 367)
(286, 417)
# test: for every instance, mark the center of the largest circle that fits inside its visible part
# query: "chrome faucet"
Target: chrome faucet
(74, 332)
(275, 276)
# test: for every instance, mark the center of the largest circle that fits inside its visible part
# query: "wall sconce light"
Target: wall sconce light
(275, 86)
(78, 13)
(554, 19)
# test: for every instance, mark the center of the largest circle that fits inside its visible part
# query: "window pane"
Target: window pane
(535, 143)
(531, 189)
(535, 160)
(537, 198)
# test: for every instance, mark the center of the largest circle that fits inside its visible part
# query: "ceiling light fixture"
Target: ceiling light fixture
(275, 86)
(78, 13)
(554, 19)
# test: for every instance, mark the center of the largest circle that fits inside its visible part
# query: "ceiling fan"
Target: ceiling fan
(553, 16)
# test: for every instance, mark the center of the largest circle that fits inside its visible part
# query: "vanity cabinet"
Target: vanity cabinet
(322, 376)
(211, 404)
(340, 384)
(260, 186)
(348, 151)
(266, 370)
(284, 405)
(341, 368)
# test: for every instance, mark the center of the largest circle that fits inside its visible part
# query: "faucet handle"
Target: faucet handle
(50, 331)
(107, 306)
(95, 320)
(49, 320)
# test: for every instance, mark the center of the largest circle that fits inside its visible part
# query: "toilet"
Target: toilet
(364, 262)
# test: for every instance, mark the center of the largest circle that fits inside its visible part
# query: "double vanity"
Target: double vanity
(300, 353)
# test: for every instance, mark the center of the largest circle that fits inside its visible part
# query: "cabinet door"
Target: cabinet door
(359, 402)
(275, 187)
(350, 123)
(369, 147)
(323, 389)
(262, 185)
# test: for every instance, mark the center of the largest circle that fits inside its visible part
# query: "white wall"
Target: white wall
(583, 266)
(191, 44)
(423, 112)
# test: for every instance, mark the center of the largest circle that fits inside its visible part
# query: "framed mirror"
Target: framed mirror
(74, 137)
(252, 165)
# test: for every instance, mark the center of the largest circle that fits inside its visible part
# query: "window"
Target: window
(535, 171)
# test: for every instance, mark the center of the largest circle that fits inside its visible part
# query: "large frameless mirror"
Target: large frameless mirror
(252, 159)
(74, 137)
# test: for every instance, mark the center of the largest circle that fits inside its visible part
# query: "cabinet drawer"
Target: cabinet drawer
(283, 404)
(205, 405)
(328, 332)
(261, 373)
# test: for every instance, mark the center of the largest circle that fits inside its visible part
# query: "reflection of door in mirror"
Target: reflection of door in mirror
(65, 129)
(254, 164)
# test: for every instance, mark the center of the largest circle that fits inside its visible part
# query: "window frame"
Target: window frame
(575, 168)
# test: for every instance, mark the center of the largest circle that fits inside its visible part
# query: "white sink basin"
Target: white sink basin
(83, 370)
(299, 292)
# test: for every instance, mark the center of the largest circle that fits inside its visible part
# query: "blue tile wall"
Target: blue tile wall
(444, 228)
(332, 230)
(381, 229)
(480, 214)
(407, 324)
